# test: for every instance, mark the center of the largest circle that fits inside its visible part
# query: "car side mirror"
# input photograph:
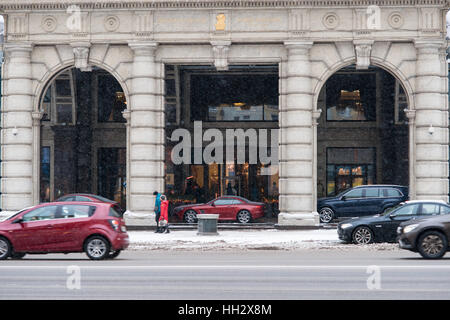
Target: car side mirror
(343, 198)
(392, 216)
(213, 204)
(20, 220)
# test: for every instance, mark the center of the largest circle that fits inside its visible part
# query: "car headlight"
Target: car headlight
(346, 225)
(410, 228)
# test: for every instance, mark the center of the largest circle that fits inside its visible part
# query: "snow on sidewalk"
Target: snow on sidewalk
(243, 239)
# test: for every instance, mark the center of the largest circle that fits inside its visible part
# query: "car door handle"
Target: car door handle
(50, 226)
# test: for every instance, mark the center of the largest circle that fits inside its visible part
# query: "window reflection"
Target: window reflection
(351, 97)
(111, 99)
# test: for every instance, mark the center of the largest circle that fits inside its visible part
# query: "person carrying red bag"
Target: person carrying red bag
(163, 223)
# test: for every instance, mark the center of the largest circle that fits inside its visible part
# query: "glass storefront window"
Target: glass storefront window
(351, 96)
(111, 99)
(234, 97)
(45, 174)
(348, 168)
(112, 174)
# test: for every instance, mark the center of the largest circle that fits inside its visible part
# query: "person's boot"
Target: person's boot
(157, 230)
(167, 230)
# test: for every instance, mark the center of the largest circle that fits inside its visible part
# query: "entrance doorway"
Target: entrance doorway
(83, 136)
(363, 131)
(242, 98)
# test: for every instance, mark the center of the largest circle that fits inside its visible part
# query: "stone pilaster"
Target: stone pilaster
(17, 128)
(36, 116)
(297, 206)
(146, 134)
(431, 122)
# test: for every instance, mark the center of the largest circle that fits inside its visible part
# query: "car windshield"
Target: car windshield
(14, 214)
(389, 210)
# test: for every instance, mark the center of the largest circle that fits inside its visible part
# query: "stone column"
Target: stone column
(37, 116)
(411, 115)
(297, 205)
(17, 129)
(431, 122)
(146, 135)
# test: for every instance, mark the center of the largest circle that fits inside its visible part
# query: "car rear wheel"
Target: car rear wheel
(190, 216)
(326, 215)
(432, 245)
(362, 235)
(5, 249)
(97, 248)
(244, 216)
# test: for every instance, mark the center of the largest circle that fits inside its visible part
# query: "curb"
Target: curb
(237, 227)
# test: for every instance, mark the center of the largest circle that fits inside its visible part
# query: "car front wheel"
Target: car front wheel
(244, 216)
(362, 235)
(432, 245)
(97, 248)
(326, 215)
(190, 216)
(5, 249)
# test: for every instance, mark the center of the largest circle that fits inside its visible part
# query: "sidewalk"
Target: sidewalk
(245, 240)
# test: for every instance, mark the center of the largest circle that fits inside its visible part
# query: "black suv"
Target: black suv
(361, 201)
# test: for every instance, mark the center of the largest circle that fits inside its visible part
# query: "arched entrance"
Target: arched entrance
(83, 136)
(362, 134)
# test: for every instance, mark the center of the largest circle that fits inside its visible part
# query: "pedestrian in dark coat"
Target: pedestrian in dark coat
(157, 208)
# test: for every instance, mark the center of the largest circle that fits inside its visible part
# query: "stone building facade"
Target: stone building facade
(309, 41)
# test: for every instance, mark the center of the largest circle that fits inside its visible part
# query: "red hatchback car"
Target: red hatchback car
(228, 207)
(63, 227)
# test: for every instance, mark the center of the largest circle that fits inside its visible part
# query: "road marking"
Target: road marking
(165, 267)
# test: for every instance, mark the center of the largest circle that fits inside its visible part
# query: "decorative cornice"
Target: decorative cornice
(12, 5)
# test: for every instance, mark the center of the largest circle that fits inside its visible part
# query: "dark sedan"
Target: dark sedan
(429, 237)
(229, 208)
(90, 198)
(361, 201)
(383, 227)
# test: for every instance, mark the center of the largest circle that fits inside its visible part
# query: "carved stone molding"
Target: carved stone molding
(203, 4)
(126, 114)
(330, 20)
(396, 20)
(411, 115)
(37, 116)
(111, 23)
(81, 55)
(299, 22)
(363, 48)
(143, 48)
(144, 24)
(220, 52)
(315, 116)
(49, 23)
(298, 47)
(17, 50)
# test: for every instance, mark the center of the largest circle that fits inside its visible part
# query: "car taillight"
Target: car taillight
(114, 224)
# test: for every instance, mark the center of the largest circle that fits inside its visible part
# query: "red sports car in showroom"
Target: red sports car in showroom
(95, 228)
(228, 207)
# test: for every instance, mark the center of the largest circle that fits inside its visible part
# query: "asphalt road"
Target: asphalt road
(254, 275)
